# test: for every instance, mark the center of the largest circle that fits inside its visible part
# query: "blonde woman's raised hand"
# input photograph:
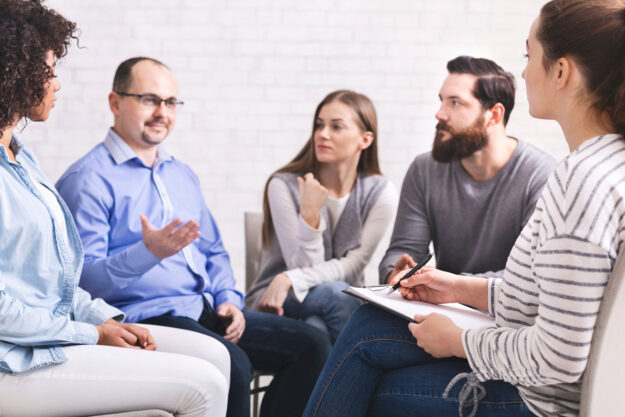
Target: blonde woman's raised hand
(312, 197)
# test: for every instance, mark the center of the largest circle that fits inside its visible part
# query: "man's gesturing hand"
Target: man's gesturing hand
(169, 240)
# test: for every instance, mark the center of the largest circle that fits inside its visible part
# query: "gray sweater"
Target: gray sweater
(472, 224)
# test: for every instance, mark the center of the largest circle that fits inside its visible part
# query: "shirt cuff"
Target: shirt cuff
(475, 362)
(299, 287)
(140, 257)
(307, 233)
(84, 333)
(383, 277)
(493, 287)
(100, 312)
(229, 296)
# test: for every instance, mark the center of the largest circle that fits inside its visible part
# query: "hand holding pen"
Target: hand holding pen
(410, 273)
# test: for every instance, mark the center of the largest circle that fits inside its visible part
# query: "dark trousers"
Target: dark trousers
(293, 350)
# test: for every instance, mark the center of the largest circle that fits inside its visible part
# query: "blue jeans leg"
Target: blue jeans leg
(326, 302)
(376, 358)
(294, 350)
(417, 391)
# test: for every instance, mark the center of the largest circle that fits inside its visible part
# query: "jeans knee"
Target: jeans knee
(241, 370)
(342, 304)
(331, 288)
(318, 346)
(360, 320)
(331, 295)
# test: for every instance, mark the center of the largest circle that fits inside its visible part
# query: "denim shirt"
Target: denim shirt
(41, 305)
(107, 190)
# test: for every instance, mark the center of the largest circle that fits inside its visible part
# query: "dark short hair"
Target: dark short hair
(592, 33)
(494, 85)
(28, 31)
(123, 75)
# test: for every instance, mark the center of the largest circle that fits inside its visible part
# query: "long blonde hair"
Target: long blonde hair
(306, 161)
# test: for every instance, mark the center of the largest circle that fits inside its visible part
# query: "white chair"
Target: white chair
(253, 224)
(602, 385)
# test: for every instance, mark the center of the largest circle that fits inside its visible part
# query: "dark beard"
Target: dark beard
(461, 144)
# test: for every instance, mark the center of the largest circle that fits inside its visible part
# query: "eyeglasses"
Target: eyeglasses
(153, 101)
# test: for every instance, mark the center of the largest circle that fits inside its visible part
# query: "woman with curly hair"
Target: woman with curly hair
(48, 325)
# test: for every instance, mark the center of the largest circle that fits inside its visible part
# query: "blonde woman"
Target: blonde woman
(324, 214)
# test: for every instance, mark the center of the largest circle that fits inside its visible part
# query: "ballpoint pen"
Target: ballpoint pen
(410, 273)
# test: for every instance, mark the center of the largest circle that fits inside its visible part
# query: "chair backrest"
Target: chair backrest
(253, 221)
(602, 386)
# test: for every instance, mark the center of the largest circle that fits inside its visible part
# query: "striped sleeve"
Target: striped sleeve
(553, 347)
(494, 285)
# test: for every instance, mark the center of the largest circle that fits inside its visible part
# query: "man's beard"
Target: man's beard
(461, 144)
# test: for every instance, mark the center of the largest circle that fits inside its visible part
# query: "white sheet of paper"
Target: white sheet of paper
(463, 316)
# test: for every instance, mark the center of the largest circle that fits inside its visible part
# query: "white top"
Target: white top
(302, 246)
(335, 207)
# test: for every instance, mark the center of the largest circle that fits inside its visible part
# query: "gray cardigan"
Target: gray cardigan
(346, 235)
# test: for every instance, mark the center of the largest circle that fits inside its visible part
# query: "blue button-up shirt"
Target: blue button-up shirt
(41, 306)
(107, 190)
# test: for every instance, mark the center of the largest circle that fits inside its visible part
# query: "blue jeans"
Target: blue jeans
(376, 369)
(291, 349)
(325, 307)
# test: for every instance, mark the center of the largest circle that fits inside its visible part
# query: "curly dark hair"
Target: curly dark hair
(28, 30)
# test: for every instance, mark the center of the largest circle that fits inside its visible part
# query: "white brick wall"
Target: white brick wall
(251, 73)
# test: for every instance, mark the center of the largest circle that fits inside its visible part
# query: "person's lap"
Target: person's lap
(241, 370)
(132, 379)
(418, 391)
(292, 349)
(325, 307)
(376, 368)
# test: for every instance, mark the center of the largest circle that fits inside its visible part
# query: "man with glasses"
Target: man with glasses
(153, 249)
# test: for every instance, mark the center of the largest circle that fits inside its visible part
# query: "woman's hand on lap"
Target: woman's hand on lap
(272, 300)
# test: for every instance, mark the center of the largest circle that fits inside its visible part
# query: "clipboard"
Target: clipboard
(464, 317)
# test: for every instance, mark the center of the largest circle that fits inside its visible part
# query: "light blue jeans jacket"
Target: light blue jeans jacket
(41, 305)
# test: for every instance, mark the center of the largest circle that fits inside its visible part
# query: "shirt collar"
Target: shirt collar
(15, 146)
(121, 152)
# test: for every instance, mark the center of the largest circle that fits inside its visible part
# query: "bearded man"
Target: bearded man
(474, 192)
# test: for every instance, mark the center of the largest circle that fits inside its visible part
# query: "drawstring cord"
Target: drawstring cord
(472, 386)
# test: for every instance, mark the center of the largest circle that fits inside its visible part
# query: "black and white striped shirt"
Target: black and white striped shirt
(547, 302)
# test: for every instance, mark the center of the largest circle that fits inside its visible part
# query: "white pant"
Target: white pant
(188, 375)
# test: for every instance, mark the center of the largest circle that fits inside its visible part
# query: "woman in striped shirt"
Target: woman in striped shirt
(545, 306)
